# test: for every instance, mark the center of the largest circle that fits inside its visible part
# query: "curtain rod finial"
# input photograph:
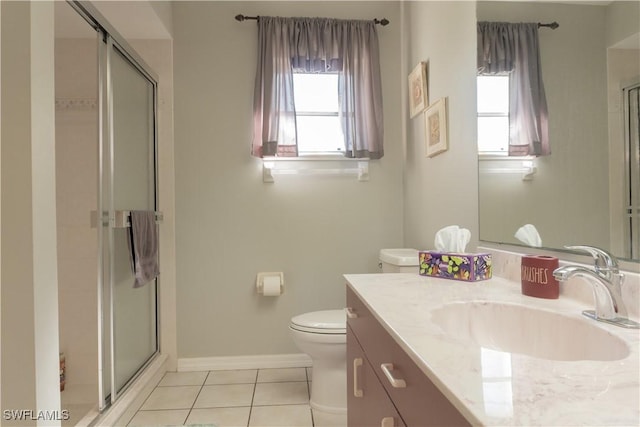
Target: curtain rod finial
(240, 18)
(553, 25)
(383, 21)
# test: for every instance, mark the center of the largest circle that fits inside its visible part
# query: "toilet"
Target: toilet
(399, 260)
(323, 336)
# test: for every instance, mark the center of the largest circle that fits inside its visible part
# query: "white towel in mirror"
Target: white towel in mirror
(528, 234)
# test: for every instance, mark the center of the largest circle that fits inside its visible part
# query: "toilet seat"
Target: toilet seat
(321, 322)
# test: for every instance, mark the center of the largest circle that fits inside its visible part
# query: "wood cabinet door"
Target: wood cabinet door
(419, 401)
(368, 404)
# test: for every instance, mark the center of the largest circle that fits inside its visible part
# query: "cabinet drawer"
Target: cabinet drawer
(369, 405)
(418, 401)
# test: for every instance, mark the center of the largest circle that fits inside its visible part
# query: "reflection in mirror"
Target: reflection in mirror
(528, 234)
(583, 192)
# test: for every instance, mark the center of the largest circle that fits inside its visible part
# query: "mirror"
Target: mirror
(578, 194)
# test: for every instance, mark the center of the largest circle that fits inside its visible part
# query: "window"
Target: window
(307, 46)
(317, 122)
(493, 115)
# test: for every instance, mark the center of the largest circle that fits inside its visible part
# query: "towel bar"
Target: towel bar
(120, 219)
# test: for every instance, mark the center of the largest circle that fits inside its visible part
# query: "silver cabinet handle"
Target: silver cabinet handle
(357, 362)
(388, 422)
(395, 382)
(350, 313)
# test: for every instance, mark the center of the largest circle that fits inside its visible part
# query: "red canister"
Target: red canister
(536, 273)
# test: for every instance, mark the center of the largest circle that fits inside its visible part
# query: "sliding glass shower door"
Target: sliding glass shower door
(127, 181)
(129, 320)
(133, 188)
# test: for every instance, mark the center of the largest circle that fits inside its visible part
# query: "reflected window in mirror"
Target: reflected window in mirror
(513, 49)
(493, 115)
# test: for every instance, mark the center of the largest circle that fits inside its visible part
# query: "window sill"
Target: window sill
(487, 156)
(322, 164)
(524, 166)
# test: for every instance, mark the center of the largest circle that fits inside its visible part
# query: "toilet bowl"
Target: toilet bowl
(323, 336)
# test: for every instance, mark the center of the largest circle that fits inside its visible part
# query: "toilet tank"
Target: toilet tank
(399, 260)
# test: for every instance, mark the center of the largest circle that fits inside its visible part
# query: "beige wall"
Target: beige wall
(18, 358)
(567, 196)
(230, 225)
(442, 190)
(0, 209)
(29, 274)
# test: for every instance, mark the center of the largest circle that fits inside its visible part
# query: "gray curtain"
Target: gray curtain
(513, 48)
(274, 116)
(317, 45)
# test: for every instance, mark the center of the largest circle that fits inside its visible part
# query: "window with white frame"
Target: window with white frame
(493, 115)
(317, 121)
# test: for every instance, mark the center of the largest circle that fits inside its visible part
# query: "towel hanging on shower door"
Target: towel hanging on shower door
(143, 247)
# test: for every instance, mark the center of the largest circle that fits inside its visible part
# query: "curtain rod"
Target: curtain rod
(240, 18)
(553, 25)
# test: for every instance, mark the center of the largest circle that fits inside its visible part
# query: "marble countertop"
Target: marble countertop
(497, 388)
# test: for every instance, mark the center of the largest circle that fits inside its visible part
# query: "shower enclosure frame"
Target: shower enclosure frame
(109, 41)
(631, 112)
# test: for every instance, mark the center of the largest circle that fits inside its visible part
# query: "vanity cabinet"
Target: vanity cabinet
(369, 405)
(386, 375)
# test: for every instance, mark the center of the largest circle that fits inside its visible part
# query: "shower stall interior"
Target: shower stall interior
(106, 145)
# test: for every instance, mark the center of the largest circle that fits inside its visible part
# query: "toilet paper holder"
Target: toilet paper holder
(260, 280)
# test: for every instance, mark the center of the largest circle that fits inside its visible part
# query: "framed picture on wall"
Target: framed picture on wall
(418, 92)
(435, 121)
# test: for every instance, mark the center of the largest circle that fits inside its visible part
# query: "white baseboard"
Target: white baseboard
(299, 360)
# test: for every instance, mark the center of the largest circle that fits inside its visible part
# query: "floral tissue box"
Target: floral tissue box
(467, 267)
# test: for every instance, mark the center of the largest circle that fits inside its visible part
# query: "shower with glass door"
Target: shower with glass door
(106, 167)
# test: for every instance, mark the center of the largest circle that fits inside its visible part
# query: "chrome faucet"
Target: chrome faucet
(606, 279)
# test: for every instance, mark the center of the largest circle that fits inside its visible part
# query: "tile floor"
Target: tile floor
(249, 398)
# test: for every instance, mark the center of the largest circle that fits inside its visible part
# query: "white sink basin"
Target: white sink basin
(529, 331)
